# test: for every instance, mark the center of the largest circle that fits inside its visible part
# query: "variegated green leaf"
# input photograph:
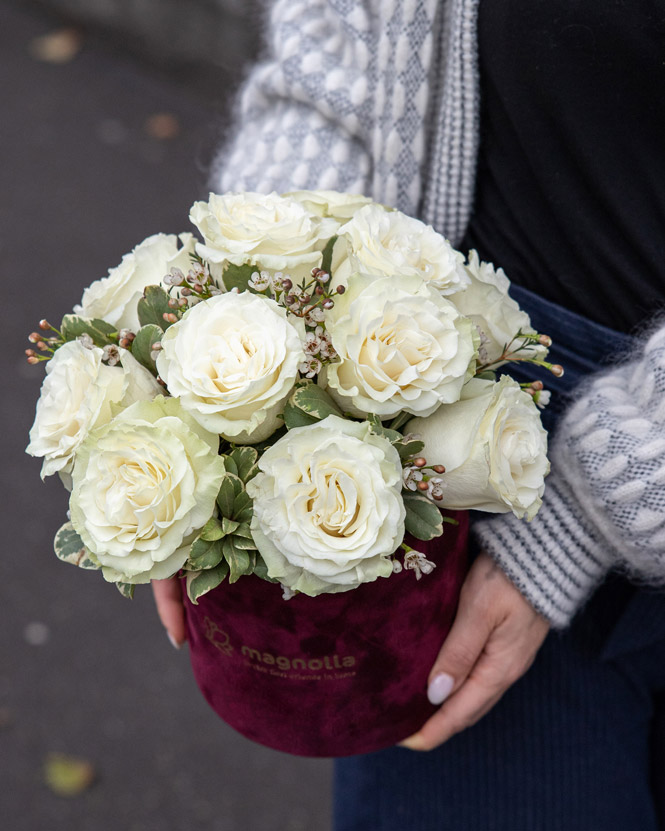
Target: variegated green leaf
(205, 553)
(423, 519)
(237, 276)
(243, 543)
(200, 582)
(294, 417)
(142, 345)
(407, 449)
(152, 307)
(378, 429)
(315, 401)
(231, 486)
(126, 589)
(100, 331)
(243, 530)
(69, 548)
(230, 464)
(245, 459)
(238, 559)
(212, 530)
(229, 526)
(261, 570)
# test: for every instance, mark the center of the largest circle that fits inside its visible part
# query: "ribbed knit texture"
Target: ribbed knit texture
(381, 97)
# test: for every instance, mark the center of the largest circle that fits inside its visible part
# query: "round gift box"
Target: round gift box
(333, 675)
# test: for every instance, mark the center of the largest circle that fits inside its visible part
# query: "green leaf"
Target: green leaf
(200, 582)
(99, 330)
(240, 561)
(294, 417)
(231, 486)
(152, 307)
(237, 276)
(69, 548)
(378, 429)
(229, 526)
(142, 345)
(230, 465)
(245, 459)
(314, 401)
(243, 507)
(212, 530)
(261, 570)
(243, 531)
(486, 375)
(126, 589)
(243, 543)
(205, 554)
(407, 449)
(423, 518)
(327, 254)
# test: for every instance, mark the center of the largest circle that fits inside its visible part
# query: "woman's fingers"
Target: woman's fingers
(168, 599)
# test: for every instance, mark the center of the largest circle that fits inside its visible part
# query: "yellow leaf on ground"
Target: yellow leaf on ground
(60, 46)
(67, 775)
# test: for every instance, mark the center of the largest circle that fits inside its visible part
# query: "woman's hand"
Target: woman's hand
(493, 641)
(168, 598)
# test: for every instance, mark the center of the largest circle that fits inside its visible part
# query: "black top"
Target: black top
(570, 195)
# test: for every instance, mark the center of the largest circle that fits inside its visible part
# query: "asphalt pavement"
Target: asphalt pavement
(99, 150)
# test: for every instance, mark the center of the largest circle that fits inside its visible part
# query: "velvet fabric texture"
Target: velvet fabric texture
(333, 675)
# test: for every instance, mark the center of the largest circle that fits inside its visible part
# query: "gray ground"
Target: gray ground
(82, 670)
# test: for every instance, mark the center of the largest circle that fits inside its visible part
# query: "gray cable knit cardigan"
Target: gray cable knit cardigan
(381, 97)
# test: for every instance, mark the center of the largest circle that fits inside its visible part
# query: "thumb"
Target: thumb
(459, 653)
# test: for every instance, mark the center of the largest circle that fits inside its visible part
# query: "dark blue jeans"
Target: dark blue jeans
(578, 743)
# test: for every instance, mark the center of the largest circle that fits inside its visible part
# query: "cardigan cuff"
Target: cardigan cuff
(556, 560)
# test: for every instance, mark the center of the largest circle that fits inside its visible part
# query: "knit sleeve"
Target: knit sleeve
(304, 112)
(341, 102)
(604, 504)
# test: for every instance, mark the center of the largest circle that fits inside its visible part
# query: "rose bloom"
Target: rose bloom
(401, 347)
(77, 395)
(232, 361)
(328, 511)
(144, 484)
(496, 315)
(377, 241)
(114, 298)
(493, 446)
(339, 207)
(267, 231)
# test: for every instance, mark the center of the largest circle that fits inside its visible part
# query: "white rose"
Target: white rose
(377, 241)
(497, 316)
(330, 203)
(328, 511)
(232, 361)
(114, 298)
(77, 395)
(493, 446)
(143, 485)
(267, 231)
(401, 347)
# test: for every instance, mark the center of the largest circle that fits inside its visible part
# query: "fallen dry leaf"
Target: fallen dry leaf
(67, 775)
(162, 126)
(60, 46)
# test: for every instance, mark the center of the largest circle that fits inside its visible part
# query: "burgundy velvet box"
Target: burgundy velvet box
(332, 675)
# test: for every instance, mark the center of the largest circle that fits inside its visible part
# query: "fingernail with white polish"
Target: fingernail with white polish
(174, 642)
(440, 688)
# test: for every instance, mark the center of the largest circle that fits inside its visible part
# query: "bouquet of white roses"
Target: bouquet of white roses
(286, 397)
